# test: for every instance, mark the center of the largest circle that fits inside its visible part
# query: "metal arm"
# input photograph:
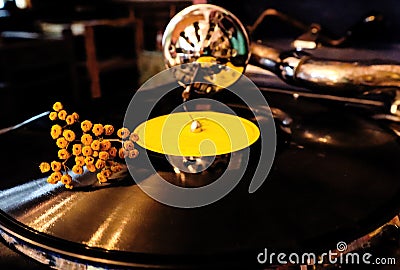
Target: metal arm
(301, 69)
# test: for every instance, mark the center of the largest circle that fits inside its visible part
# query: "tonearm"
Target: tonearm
(210, 32)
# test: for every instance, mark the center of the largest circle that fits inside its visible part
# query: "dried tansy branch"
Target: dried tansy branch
(84, 144)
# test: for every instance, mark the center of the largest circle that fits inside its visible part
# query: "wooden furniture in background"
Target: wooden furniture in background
(95, 65)
(155, 15)
(102, 46)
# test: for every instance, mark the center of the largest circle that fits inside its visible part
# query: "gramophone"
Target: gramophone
(227, 170)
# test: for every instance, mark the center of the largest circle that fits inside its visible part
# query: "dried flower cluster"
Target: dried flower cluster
(90, 146)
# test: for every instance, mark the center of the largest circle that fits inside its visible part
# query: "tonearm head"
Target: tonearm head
(213, 40)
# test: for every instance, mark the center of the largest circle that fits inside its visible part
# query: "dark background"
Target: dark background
(335, 16)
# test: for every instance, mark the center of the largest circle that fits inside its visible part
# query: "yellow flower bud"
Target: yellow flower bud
(77, 169)
(66, 179)
(101, 178)
(122, 153)
(62, 142)
(89, 160)
(77, 149)
(105, 145)
(69, 186)
(70, 120)
(53, 116)
(56, 166)
(95, 145)
(80, 160)
(134, 137)
(112, 152)
(51, 180)
(69, 135)
(86, 126)
(44, 167)
(123, 133)
(95, 153)
(108, 129)
(62, 114)
(129, 145)
(63, 154)
(56, 176)
(57, 106)
(55, 131)
(76, 116)
(100, 164)
(103, 155)
(116, 167)
(133, 153)
(91, 167)
(86, 139)
(106, 172)
(98, 129)
(87, 151)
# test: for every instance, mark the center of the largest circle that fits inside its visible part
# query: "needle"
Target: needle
(195, 126)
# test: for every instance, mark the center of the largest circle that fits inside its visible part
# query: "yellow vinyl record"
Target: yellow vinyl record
(219, 133)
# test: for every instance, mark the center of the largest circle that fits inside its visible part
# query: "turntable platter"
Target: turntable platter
(318, 192)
